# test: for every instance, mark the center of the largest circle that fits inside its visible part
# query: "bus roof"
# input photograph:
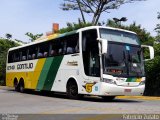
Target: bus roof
(54, 36)
(111, 28)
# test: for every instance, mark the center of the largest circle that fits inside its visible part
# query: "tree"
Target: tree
(157, 29)
(152, 69)
(152, 87)
(33, 37)
(94, 7)
(5, 44)
(8, 36)
(158, 25)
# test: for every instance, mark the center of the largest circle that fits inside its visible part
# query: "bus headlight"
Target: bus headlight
(142, 82)
(109, 81)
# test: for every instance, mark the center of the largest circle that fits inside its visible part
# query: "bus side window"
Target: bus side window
(24, 58)
(70, 50)
(32, 53)
(23, 54)
(72, 44)
(10, 57)
(60, 51)
(17, 56)
(40, 55)
(45, 54)
(33, 56)
(53, 48)
(29, 57)
(43, 49)
(53, 52)
(62, 47)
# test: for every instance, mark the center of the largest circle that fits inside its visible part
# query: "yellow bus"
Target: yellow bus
(95, 60)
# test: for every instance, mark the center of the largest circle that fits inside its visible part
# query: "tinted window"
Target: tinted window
(10, 56)
(32, 52)
(65, 45)
(43, 50)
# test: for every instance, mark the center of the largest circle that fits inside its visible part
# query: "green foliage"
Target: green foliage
(153, 69)
(5, 44)
(153, 77)
(33, 37)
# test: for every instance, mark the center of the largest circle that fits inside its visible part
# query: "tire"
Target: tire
(16, 87)
(21, 87)
(108, 98)
(72, 91)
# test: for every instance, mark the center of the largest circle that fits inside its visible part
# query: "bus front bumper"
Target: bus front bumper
(114, 90)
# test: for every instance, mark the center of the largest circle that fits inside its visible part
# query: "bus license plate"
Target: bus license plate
(127, 90)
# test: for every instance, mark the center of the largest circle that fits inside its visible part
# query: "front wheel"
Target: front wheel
(108, 98)
(72, 91)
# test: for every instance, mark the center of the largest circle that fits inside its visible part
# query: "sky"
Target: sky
(18, 17)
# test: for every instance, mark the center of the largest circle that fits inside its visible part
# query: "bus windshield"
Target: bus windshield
(123, 59)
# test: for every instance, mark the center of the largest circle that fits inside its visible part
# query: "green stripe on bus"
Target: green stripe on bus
(131, 80)
(52, 73)
(44, 73)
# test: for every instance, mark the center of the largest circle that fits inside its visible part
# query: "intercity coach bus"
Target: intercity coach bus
(95, 60)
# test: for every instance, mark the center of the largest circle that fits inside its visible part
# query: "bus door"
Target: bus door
(91, 61)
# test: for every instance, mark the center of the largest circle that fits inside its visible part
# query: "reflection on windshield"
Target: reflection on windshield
(119, 36)
(123, 60)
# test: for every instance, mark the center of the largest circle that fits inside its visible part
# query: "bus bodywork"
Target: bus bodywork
(105, 62)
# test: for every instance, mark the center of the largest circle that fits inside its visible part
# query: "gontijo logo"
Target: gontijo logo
(20, 66)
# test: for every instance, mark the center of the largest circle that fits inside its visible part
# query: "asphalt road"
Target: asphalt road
(48, 103)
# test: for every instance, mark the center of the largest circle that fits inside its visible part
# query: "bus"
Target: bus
(95, 60)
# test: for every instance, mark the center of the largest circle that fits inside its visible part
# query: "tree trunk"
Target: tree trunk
(99, 13)
(81, 12)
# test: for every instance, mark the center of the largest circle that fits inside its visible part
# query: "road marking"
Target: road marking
(74, 110)
(138, 97)
(103, 117)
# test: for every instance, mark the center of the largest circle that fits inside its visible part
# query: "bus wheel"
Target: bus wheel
(108, 98)
(21, 87)
(16, 87)
(72, 90)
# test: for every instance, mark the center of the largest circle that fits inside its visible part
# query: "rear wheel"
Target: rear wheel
(72, 91)
(108, 98)
(21, 86)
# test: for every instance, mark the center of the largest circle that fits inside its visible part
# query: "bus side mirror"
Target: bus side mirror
(104, 45)
(151, 51)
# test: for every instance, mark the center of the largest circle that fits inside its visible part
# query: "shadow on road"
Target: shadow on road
(85, 98)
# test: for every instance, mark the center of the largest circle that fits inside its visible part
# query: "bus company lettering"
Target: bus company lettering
(25, 66)
(12, 67)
